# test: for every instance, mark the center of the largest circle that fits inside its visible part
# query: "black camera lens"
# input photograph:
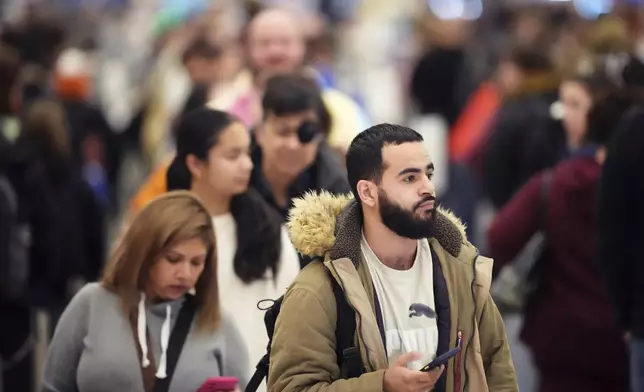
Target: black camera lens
(308, 131)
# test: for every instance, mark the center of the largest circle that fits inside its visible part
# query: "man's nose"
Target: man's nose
(275, 49)
(427, 187)
(293, 142)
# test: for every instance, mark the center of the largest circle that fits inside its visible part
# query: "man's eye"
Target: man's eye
(430, 175)
(409, 178)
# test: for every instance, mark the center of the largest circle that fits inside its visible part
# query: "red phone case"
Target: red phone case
(216, 384)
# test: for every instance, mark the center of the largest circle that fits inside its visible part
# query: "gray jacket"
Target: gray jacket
(94, 348)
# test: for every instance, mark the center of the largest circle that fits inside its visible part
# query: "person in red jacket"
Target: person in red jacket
(568, 323)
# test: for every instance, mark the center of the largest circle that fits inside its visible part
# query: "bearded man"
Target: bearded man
(416, 286)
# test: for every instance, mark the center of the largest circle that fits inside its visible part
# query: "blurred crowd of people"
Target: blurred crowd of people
(533, 129)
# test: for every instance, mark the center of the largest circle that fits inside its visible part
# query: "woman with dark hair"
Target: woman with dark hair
(577, 94)
(568, 320)
(256, 258)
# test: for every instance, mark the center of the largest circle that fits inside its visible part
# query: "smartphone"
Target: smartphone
(219, 384)
(441, 360)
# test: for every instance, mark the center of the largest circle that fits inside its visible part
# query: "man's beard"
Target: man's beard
(405, 223)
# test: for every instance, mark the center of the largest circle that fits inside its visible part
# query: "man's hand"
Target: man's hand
(400, 379)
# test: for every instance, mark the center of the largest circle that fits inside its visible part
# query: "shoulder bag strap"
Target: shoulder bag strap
(177, 340)
(525, 262)
(546, 181)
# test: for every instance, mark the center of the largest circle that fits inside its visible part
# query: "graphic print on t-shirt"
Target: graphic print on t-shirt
(417, 310)
(407, 304)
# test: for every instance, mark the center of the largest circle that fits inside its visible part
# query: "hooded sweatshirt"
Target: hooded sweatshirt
(95, 350)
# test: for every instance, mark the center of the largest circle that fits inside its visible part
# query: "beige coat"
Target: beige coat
(303, 354)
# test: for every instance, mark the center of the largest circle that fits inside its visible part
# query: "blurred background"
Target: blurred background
(102, 83)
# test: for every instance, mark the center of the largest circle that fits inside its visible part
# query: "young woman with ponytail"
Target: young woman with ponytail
(256, 259)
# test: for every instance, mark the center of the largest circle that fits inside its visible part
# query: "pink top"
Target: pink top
(245, 108)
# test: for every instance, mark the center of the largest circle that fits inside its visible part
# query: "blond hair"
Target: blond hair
(167, 220)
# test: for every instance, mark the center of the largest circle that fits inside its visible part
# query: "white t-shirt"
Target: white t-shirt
(407, 304)
(239, 299)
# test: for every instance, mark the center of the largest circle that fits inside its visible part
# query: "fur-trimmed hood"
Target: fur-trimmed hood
(324, 223)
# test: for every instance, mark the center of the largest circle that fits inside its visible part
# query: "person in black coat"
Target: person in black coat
(75, 219)
(525, 138)
(27, 179)
(45, 133)
(621, 222)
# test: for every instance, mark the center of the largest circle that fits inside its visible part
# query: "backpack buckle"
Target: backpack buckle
(351, 363)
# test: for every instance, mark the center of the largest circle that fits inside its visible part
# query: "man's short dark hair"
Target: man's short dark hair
(364, 157)
(290, 94)
(201, 48)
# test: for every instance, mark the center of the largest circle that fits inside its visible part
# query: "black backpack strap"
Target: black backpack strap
(261, 372)
(177, 339)
(262, 367)
(348, 355)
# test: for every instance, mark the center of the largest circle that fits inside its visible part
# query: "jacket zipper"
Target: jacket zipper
(457, 363)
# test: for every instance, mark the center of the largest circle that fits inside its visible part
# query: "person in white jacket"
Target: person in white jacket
(256, 260)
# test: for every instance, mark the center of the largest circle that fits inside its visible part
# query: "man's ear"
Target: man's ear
(367, 192)
(195, 166)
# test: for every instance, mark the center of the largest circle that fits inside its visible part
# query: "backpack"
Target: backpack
(15, 243)
(348, 355)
